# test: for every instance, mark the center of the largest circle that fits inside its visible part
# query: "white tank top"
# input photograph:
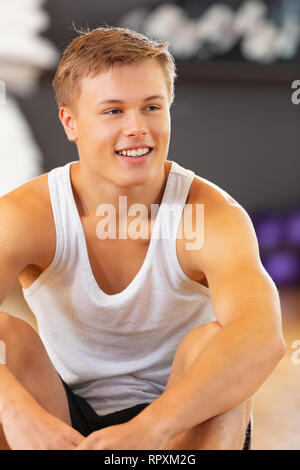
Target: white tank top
(116, 351)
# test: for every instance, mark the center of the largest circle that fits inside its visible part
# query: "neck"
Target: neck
(91, 190)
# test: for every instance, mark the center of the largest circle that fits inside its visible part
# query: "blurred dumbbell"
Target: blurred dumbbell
(289, 38)
(215, 29)
(248, 15)
(165, 21)
(259, 35)
(134, 19)
(260, 43)
(170, 23)
(185, 45)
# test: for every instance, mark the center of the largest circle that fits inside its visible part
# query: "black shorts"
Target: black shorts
(85, 420)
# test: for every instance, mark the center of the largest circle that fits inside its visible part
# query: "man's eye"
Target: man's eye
(112, 111)
(154, 108)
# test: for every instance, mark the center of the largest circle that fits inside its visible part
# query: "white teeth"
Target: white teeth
(134, 152)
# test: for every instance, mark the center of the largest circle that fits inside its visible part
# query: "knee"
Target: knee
(201, 335)
(196, 340)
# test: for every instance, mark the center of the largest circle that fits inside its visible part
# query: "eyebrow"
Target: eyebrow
(149, 98)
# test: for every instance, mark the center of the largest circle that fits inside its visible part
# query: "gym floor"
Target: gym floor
(277, 404)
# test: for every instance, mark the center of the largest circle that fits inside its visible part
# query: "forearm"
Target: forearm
(12, 393)
(231, 368)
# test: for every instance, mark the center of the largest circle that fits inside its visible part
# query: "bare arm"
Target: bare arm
(16, 252)
(240, 357)
(26, 424)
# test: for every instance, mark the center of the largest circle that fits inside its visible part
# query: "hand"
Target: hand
(127, 436)
(30, 427)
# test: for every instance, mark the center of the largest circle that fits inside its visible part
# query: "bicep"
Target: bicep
(232, 265)
(14, 246)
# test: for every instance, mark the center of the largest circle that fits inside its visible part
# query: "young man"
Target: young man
(145, 342)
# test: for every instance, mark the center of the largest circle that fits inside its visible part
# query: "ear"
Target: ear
(69, 122)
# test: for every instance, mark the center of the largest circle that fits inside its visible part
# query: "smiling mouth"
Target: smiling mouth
(135, 153)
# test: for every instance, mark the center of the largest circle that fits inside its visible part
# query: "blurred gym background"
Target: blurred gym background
(235, 121)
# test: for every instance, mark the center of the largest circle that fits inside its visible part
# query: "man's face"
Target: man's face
(139, 117)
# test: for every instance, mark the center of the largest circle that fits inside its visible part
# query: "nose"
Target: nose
(135, 125)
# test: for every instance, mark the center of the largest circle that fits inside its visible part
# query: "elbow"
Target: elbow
(282, 348)
(278, 348)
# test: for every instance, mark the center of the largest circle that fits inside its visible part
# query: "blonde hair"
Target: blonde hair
(97, 50)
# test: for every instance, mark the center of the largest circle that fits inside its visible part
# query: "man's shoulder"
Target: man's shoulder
(213, 197)
(222, 215)
(28, 199)
(26, 215)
